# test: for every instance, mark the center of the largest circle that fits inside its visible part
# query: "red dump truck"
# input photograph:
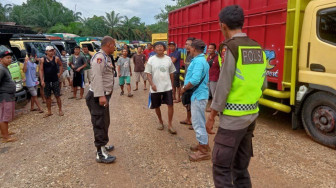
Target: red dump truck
(299, 40)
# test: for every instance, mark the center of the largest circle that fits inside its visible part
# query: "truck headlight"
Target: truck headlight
(19, 86)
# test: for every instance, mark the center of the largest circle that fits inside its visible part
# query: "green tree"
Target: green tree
(95, 26)
(130, 28)
(43, 14)
(5, 11)
(163, 16)
(113, 22)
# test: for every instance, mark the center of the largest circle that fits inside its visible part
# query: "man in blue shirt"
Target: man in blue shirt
(197, 78)
(175, 56)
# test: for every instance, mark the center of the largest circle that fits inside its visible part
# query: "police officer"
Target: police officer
(238, 90)
(99, 96)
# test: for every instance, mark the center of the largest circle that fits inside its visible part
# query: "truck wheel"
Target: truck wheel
(319, 118)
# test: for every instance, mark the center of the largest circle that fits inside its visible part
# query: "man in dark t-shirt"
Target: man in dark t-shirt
(78, 64)
(139, 60)
(175, 55)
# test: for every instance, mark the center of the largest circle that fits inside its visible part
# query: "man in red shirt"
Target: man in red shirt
(148, 50)
(214, 70)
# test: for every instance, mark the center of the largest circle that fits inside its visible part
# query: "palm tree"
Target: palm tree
(130, 28)
(112, 21)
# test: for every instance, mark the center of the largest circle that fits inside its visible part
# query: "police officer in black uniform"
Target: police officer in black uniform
(98, 98)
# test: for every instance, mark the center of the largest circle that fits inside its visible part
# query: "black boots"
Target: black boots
(103, 156)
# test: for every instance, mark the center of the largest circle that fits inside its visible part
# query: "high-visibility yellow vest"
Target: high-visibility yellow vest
(246, 88)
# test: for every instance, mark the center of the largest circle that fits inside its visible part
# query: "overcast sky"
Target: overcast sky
(145, 9)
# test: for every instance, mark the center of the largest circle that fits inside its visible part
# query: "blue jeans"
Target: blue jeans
(198, 120)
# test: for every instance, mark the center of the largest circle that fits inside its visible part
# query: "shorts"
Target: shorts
(161, 98)
(7, 111)
(177, 80)
(52, 86)
(122, 80)
(88, 76)
(78, 80)
(65, 75)
(33, 91)
(138, 74)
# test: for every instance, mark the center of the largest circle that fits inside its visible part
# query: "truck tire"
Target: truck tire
(319, 118)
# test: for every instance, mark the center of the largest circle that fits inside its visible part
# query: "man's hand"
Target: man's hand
(182, 91)
(78, 70)
(72, 66)
(59, 75)
(42, 84)
(209, 125)
(103, 101)
(154, 87)
(119, 75)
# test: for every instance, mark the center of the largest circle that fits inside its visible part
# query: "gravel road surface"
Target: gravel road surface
(59, 151)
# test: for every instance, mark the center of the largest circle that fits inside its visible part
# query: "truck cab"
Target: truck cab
(316, 90)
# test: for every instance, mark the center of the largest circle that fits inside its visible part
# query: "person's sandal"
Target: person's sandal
(11, 139)
(171, 130)
(130, 95)
(160, 127)
(9, 133)
(121, 93)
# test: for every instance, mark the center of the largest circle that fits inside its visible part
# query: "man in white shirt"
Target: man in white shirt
(160, 73)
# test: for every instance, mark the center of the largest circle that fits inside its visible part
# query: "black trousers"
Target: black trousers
(100, 118)
(231, 156)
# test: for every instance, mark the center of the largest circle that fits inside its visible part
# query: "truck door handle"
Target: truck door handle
(317, 67)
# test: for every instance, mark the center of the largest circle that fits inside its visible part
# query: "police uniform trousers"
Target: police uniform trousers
(231, 157)
(100, 118)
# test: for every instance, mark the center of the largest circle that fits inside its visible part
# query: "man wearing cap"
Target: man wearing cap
(196, 79)
(98, 97)
(175, 55)
(7, 96)
(160, 73)
(49, 76)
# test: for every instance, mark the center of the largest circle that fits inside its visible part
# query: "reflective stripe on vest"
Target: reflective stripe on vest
(247, 83)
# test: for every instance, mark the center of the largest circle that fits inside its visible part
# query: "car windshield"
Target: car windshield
(39, 48)
(70, 46)
(97, 45)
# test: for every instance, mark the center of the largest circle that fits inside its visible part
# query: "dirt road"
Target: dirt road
(59, 151)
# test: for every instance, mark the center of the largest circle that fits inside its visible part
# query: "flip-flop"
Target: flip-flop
(135, 89)
(9, 133)
(79, 98)
(33, 110)
(11, 139)
(145, 89)
(71, 97)
(61, 114)
(171, 130)
(185, 123)
(41, 111)
(47, 115)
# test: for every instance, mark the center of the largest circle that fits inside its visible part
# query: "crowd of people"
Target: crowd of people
(233, 82)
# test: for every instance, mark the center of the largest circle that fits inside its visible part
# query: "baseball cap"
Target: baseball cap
(49, 48)
(6, 53)
(172, 43)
